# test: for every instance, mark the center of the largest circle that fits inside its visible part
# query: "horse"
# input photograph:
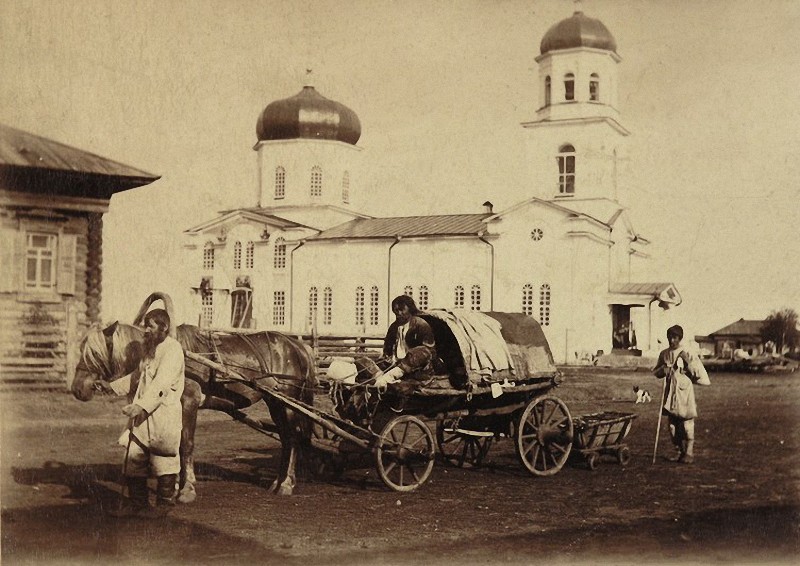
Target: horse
(115, 351)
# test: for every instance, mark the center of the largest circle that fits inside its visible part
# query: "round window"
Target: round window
(537, 234)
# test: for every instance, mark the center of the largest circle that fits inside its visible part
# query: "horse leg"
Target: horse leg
(190, 402)
(285, 480)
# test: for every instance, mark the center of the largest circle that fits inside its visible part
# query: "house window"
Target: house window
(359, 306)
(316, 181)
(40, 256)
(237, 255)
(527, 299)
(207, 309)
(208, 256)
(327, 306)
(547, 89)
(594, 87)
(279, 308)
(250, 256)
(346, 187)
(569, 86)
(544, 305)
(458, 297)
(566, 170)
(423, 298)
(373, 306)
(279, 255)
(312, 305)
(280, 182)
(475, 298)
(408, 290)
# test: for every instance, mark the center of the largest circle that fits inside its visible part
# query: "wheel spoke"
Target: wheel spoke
(413, 473)
(405, 433)
(391, 467)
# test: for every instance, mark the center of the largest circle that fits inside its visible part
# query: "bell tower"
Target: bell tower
(576, 141)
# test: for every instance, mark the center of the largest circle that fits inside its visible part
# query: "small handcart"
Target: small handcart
(602, 433)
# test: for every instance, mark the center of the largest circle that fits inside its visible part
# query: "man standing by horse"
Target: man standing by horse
(153, 436)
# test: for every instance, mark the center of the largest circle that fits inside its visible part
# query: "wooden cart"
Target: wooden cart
(602, 433)
(513, 401)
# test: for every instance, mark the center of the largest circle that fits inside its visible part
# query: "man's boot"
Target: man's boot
(688, 454)
(165, 497)
(137, 500)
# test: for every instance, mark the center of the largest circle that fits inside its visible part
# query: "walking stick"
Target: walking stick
(660, 410)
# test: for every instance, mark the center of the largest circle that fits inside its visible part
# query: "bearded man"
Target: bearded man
(154, 430)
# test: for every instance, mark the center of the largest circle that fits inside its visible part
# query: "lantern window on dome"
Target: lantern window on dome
(547, 91)
(594, 87)
(569, 87)
(316, 181)
(346, 187)
(280, 182)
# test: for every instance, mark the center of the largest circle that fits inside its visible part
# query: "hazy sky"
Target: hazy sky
(710, 91)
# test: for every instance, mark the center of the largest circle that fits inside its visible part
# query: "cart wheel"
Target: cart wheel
(624, 456)
(592, 460)
(461, 448)
(404, 454)
(544, 436)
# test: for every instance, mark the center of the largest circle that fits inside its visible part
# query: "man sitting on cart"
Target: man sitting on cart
(409, 347)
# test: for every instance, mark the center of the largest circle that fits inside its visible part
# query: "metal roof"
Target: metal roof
(741, 327)
(407, 227)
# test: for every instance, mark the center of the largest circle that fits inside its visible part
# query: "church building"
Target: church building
(304, 256)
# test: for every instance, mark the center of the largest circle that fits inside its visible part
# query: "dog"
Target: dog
(642, 395)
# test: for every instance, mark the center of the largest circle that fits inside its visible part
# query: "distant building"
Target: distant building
(741, 335)
(567, 253)
(52, 201)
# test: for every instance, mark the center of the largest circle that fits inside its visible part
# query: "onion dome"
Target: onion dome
(308, 115)
(578, 31)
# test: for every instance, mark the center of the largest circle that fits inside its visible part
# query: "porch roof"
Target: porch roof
(640, 294)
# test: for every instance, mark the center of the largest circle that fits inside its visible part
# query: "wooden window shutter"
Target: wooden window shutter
(67, 263)
(12, 257)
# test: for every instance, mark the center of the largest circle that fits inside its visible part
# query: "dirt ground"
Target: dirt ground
(739, 503)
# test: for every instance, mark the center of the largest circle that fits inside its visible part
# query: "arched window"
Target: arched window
(280, 182)
(327, 306)
(409, 290)
(566, 169)
(279, 308)
(594, 87)
(569, 86)
(279, 255)
(250, 257)
(237, 255)
(346, 187)
(207, 309)
(475, 298)
(359, 306)
(422, 303)
(208, 256)
(316, 181)
(458, 297)
(544, 305)
(313, 301)
(373, 306)
(527, 299)
(241, 307)
(547, 90)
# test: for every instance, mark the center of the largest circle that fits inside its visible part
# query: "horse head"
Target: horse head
(106, 354)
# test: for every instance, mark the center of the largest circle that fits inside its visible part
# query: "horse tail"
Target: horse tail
(169, 306)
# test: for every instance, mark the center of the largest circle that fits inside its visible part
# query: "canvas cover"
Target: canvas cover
(496, 346)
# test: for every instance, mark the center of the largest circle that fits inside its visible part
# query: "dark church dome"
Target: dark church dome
(308, 115)
(578, 31)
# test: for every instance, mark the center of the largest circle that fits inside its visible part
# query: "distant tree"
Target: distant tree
(781, 328)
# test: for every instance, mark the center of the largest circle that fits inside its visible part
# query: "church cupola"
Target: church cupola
(577, 70)
(307, 152)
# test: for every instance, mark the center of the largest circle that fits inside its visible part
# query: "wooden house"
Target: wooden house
(52, 201)
(740, 335)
